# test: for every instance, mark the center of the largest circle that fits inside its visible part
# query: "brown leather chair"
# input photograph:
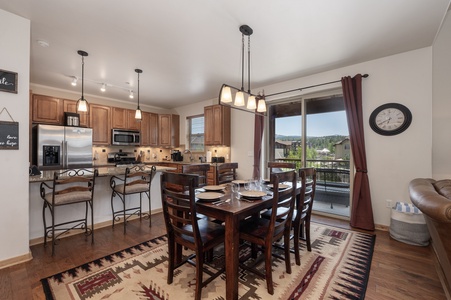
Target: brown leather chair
(303, 212)
(137, 180)
(265, 232)
(200, 170)
(68, 187)
(277, 166)
(184, 229)
(226, 172)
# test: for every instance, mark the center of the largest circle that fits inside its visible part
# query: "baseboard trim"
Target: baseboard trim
(16, 260)
(40, 240)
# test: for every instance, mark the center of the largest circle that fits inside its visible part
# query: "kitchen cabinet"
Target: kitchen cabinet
(47, 110)
(123, 118)
(99, 118)
(71, 106)
(211, 176)
(169, 128)
(217, 125)
(149, 129)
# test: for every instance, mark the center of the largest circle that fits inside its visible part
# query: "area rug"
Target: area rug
(337, 268)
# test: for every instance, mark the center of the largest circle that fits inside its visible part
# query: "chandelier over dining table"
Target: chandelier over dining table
(238, 97)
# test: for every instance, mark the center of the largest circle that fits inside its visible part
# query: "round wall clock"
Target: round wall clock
(390, 119)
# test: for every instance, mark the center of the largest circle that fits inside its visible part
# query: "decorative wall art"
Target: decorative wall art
(8, 81)
(9, 133)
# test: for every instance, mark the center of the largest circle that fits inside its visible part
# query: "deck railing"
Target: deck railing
(333, 179)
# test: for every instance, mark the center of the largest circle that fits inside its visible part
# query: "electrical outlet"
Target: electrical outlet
(388, 203)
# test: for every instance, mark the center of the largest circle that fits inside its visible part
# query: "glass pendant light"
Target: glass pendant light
(82, 104)
(138, 115)
(226, 95)
(251, 104)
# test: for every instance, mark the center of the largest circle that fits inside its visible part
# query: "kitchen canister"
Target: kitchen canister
(208, 156)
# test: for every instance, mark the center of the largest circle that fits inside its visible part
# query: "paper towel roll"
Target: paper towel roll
(208, 156)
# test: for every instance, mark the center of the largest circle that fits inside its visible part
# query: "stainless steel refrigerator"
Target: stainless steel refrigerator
(61, 147)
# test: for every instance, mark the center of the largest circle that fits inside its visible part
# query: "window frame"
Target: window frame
(189, 134)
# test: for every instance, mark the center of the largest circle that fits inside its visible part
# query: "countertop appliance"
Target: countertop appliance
(176, 155)
(121, 158)
(122, 137)
(60, 147)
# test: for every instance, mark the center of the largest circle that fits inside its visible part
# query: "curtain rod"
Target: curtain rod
(308, 87)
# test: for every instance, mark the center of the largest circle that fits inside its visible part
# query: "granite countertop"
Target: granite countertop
(103, 171)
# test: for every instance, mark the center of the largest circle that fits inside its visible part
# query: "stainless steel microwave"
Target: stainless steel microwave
(123, 137)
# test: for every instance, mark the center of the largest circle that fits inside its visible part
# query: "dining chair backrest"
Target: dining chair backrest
(283, 201)
(226, 172)
(200, 170)
(179, 208)
(277, 166)
(307, 177)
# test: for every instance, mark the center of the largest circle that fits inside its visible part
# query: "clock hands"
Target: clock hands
(386, 120)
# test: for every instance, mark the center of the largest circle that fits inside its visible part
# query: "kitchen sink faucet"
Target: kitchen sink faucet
(190, 154)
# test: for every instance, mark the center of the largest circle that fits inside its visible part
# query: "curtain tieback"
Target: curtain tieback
(363, 171)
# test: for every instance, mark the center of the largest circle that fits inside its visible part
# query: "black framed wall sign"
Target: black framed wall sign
(8, 81)
(9, 135)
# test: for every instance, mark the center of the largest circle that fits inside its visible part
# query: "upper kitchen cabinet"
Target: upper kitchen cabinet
(99, 117)
(149, 129)
(47, 110)
(169, 130)
(71, 106)
(123, 118)
(217, 125)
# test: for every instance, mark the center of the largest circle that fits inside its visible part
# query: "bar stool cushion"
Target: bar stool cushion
(67, 198)
(131, 189)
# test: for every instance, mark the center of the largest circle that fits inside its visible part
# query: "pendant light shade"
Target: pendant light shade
(82, 104)
(261, 105)
(251, 104)
(226, 94)
(138, 115)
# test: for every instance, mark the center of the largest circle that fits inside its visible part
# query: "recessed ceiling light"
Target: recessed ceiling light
(43, 44)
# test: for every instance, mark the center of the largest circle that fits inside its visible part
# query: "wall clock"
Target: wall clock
(390, 119)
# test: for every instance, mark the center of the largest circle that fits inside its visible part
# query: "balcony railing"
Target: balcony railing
(333, 179)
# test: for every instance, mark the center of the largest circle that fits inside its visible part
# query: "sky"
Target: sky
(332, 123)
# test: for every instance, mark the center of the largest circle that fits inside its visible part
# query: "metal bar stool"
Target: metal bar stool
(137, 180)
(68, 187)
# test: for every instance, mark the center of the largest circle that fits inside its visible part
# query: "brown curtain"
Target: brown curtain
(361, 210)
(258, 135)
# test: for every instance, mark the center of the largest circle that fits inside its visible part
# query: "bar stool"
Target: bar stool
(137, 180)
(68, 187)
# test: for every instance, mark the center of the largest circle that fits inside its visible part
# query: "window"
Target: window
(196, 133)
(313, 132)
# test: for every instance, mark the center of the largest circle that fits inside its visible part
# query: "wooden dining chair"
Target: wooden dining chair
(68, 187)
(136, 180)
(277, 166)
(226, 172)
(201, 170)
(303, 212)
(265, 232)
(184, 229)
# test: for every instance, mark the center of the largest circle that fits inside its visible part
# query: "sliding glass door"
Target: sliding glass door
(313, 132)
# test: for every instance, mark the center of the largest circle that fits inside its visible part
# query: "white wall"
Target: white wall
(392, 161)
(441, 105)
(15, 57)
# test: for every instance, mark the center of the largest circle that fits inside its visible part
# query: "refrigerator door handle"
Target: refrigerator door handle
(65, 161)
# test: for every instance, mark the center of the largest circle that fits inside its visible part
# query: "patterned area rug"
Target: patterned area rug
(337, 268)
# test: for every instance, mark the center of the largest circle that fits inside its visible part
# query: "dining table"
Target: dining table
(231, 208)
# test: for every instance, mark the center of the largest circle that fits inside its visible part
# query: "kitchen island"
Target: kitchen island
(102, 199)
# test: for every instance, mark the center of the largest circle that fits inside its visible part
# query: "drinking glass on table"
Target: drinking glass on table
(235, 188)
(247, 185)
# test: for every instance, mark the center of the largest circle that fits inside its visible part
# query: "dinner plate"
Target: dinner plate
(281, 186)
(209, 196)
(214, 188)
(239, 181)
(252, 194)
(266, 180)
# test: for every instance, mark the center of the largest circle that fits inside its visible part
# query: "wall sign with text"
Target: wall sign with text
(9, 135)
(8, 81)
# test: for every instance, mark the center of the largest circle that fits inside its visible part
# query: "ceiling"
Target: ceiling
(188, 49)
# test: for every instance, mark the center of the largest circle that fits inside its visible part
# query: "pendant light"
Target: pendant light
(244, 100)
(82, 104)
(138, 115)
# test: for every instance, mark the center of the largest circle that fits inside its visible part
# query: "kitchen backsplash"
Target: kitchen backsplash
(149, 154)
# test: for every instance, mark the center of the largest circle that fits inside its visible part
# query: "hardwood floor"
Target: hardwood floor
(398, 271)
